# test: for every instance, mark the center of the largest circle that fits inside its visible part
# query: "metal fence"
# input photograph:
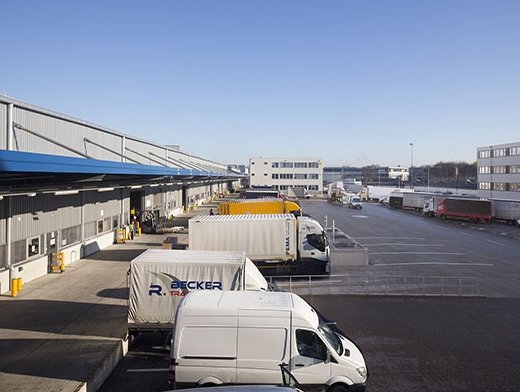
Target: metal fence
(378, 285)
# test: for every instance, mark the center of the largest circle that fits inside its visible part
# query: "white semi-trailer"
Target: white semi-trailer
(160, 278)
(506, 210)
(276, 243)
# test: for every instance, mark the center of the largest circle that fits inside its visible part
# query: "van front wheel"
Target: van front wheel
(339, 388)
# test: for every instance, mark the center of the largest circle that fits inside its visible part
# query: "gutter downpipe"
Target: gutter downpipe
(8, 229)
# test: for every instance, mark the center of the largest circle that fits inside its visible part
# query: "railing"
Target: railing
(378, 285)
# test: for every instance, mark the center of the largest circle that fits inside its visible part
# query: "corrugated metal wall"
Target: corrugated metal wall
(65, 132)
(3, 221)
(87, 138)
(43, 213)
(3, 126)
(101, 205)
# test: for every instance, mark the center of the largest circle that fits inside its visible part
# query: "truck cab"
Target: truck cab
(313, 247)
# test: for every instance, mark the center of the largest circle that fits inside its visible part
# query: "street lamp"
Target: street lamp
(411, 165)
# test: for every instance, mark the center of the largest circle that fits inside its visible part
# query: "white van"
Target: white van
(241, 337)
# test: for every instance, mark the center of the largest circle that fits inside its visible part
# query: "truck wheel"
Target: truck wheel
(339, 388)
(443, 217)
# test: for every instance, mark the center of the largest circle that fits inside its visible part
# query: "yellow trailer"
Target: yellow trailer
(260, 206)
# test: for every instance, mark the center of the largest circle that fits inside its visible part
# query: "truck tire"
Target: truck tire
(443, 217)
(338, 388)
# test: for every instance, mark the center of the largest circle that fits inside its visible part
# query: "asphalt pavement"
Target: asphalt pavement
(66, 332)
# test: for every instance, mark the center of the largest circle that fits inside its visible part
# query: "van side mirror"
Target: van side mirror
(327, 357)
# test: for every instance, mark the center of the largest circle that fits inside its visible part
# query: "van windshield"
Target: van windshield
(330, 336)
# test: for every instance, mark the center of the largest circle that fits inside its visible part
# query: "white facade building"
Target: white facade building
(285, 173)
(499, 171)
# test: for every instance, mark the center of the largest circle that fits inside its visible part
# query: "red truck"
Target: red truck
(474, 210)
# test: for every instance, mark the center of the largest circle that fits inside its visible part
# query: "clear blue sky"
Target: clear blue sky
(352, 82)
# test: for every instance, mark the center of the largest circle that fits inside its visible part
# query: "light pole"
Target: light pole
(411, 165)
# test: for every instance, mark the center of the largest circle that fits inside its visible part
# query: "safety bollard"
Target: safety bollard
(14, 288)
(19, 284)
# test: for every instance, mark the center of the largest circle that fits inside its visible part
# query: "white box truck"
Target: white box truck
(160, 278)
(230, 337)
(274, 242)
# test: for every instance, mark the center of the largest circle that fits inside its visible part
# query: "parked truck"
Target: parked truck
(506, 210)
(159, 278)
(380, 194)
(409, 200)
(259, 206)
(474, 210)
(276, 243)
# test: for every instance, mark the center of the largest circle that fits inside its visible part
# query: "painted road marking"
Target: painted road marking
(360, 216)
(146, 370)
(397, 244)
(466, 234)
(417, 253)
(494, 242)
(390, 238)
(436, 263)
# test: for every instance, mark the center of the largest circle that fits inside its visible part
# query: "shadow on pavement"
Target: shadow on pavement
(60, 317)
(117, 293)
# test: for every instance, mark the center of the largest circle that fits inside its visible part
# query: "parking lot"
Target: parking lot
(61, 327)
(411, 343)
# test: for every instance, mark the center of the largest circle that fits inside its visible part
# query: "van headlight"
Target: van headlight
(362, 372)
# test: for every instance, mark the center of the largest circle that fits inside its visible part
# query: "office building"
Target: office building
(499, 171)
(285, 173)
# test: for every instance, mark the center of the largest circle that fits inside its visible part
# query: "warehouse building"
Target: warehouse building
(499, 171)
(66, 185)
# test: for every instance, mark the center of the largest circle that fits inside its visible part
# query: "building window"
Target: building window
(286, 176)
(274, 164)
(33, 247)
(274, 176)
(100, 226)
(514, 169)
(484, 170)
(499, 186)
(499, 170)
(499, 152)
(286, 165)
(314, 176)
(312, 188)
(514, 151)
(484, 185)
(484, 154)
(314, 165)
(300, 176)
(300, 165)
(515, 187)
